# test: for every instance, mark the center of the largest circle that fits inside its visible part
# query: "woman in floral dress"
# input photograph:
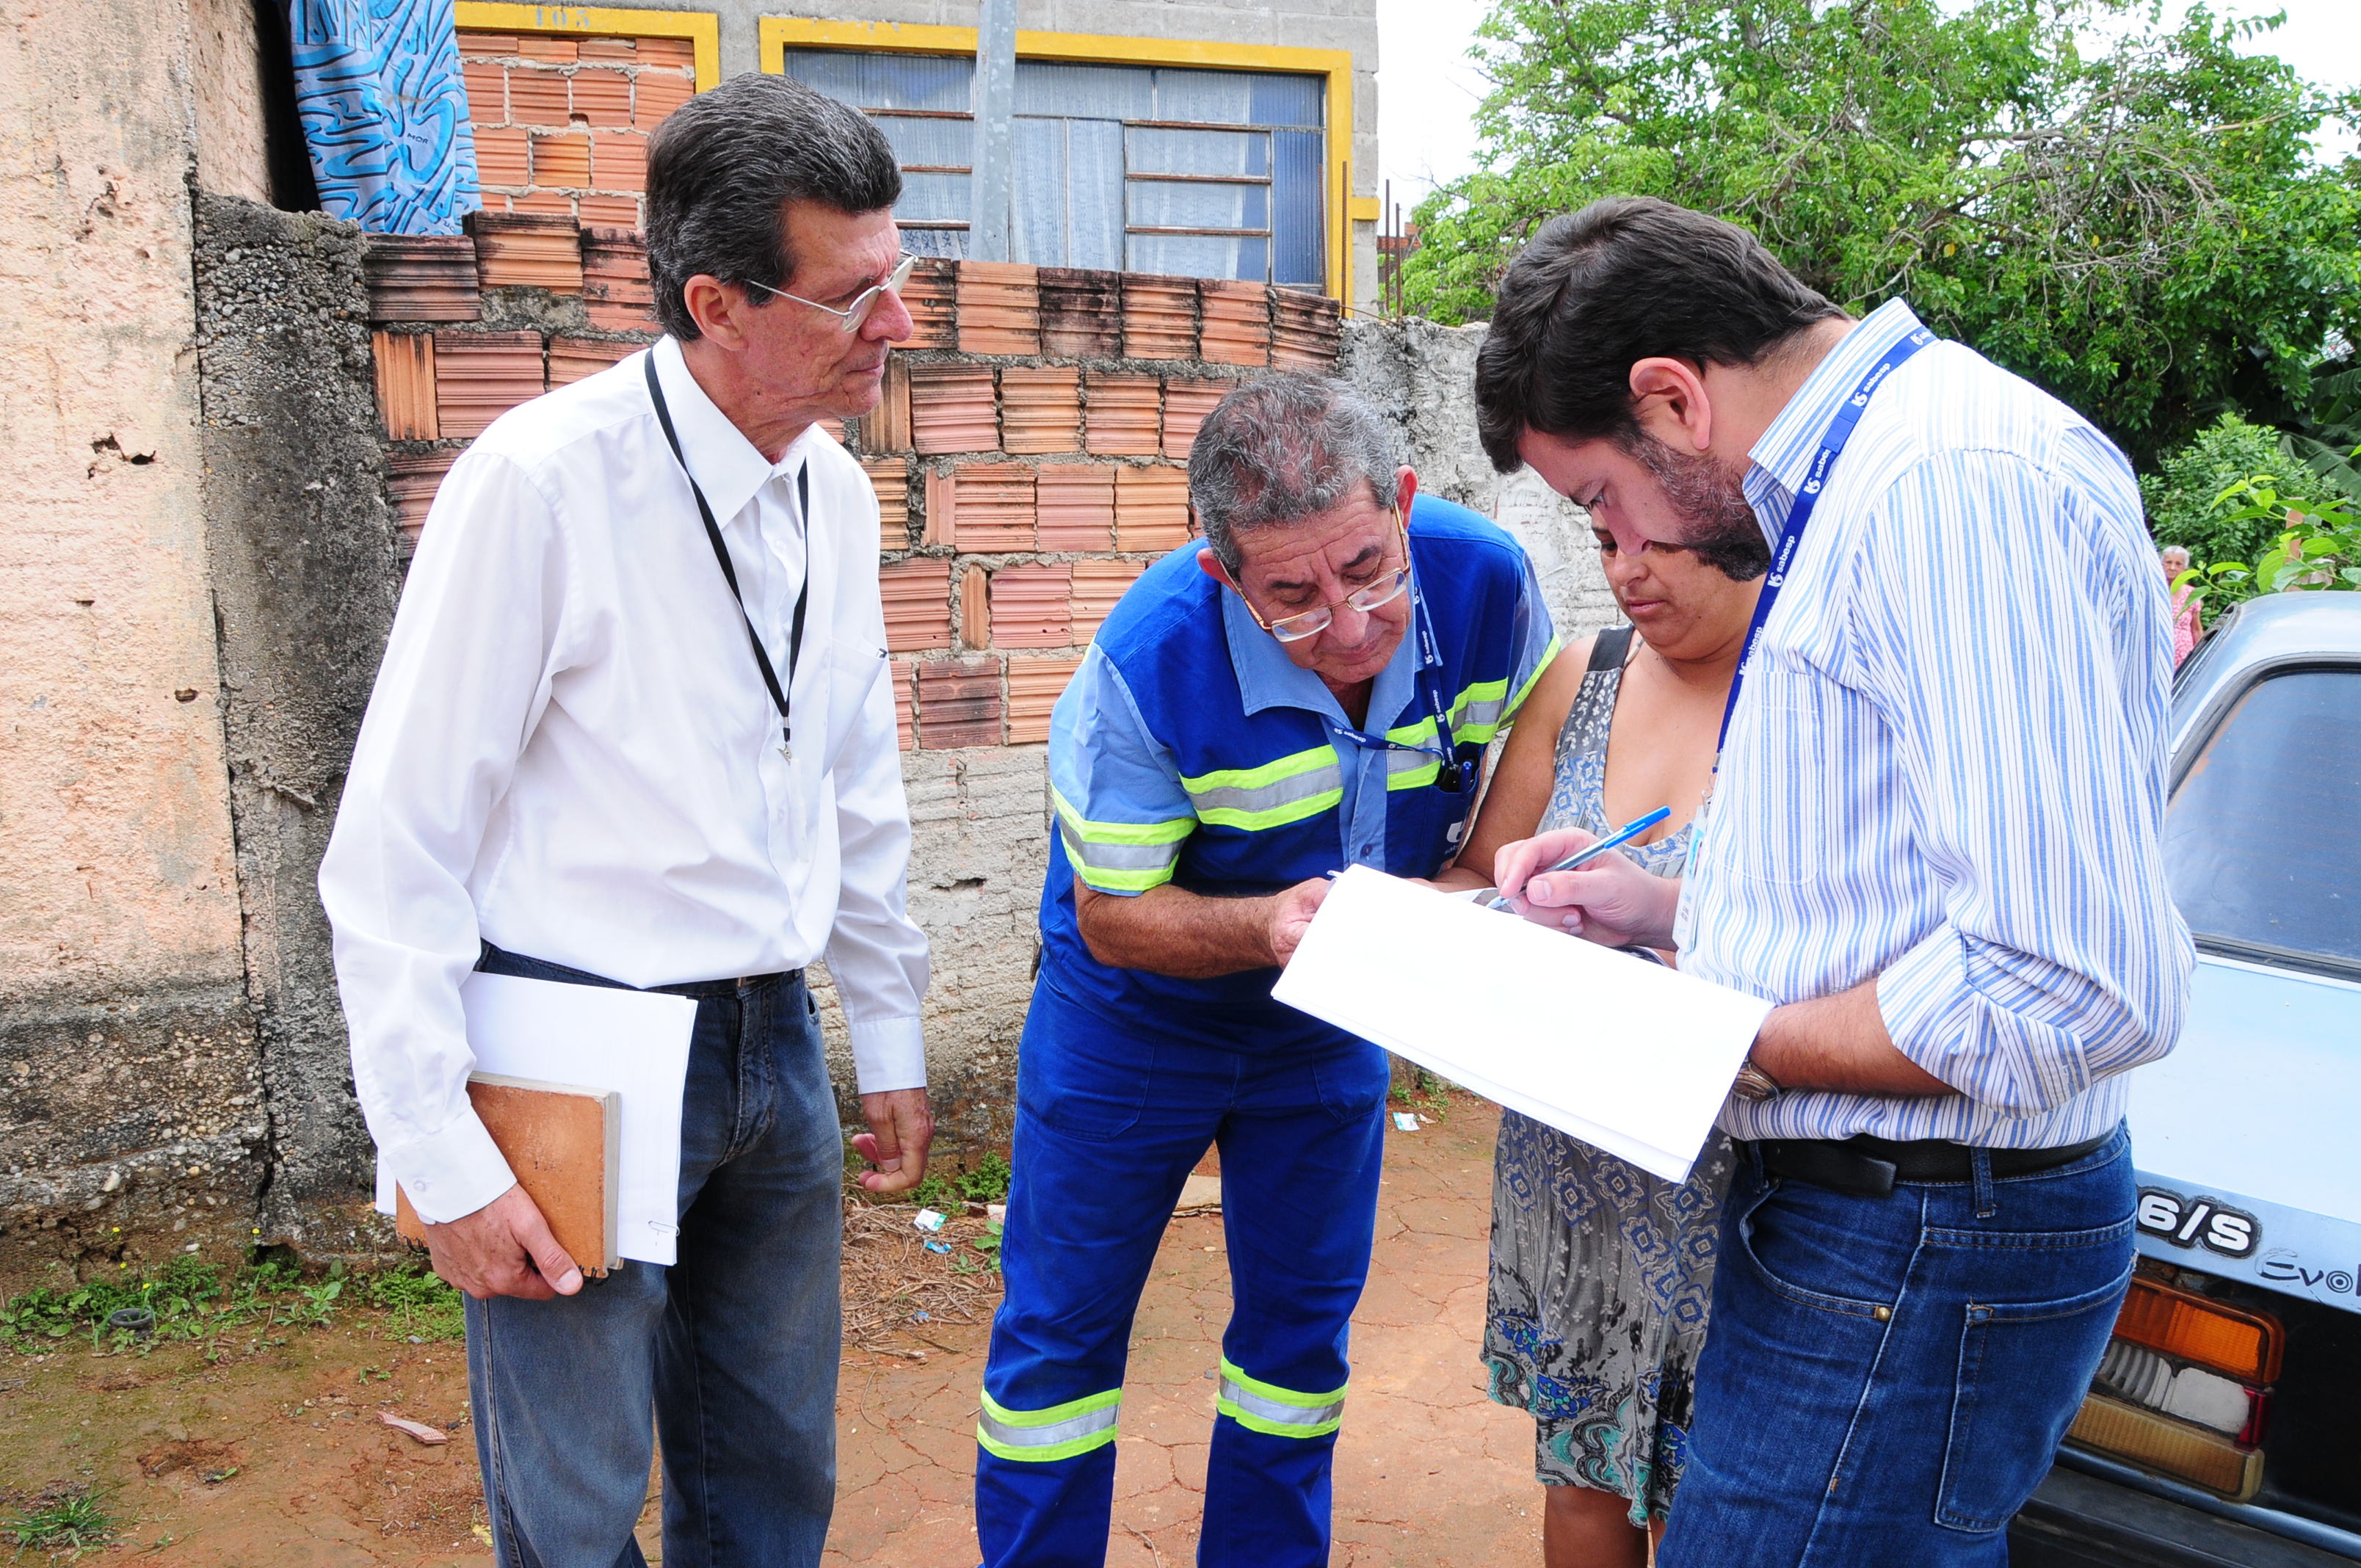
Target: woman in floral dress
(1601, 1271)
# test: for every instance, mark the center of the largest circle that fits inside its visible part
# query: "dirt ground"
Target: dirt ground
(277, 1457)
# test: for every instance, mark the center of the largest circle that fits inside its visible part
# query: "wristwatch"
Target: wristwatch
(1752, 1082)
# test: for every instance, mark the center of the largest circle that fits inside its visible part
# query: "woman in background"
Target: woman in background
(1600, 1272)
(2188, 631)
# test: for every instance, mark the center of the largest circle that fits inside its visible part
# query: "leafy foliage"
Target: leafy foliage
(194, 1300)
(2146, 233)
(75, 1518)
(2182, 495)
(2318, 545)
(418, 1304)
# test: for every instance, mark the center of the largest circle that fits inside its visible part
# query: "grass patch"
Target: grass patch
(418, 1305)
(987, 1184)
(67, 1518)
(191, 1300)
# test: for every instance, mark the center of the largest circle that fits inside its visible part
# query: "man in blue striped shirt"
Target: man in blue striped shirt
(1932, 841)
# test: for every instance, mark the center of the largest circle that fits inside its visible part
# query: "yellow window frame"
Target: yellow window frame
(779, 34)
(701, 28)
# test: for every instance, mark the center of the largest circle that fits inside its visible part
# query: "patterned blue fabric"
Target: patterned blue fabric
(1946, 767)
(385, 113)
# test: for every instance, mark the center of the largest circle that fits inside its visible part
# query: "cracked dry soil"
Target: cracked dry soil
(278, 1460)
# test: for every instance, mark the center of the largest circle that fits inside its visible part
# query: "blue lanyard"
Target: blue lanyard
(1782, 550)
(1455, 775)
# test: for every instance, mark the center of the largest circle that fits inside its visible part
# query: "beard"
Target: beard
(1718, 525)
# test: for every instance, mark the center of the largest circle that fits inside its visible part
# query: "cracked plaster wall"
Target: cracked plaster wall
(127, 1051)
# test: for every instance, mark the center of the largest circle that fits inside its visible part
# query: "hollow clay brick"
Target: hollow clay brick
(673, 54)
(904, 675)
(608, 212)
(1029, 606)
(958, 704)
(890, 478)
(1233, 325)
(622, 49)
(619, 161)
(1073, 507)
(405, 384)
(537, 98)
(411, 480)
(1040, 409)
(480, 376)
(1152, 509)
(561, 161)
(615, 286)
(545, 47)
(1082, 312)
(502, 155)
(502, 44)
(974, 608)
(1306, 331)
(543, 204)
(488, 93)
(421, 278)
(951, 408)
(999, 308)
(602, 97)
(1034, 687)
(929, 297)
(918, 599)
(1120, 413)
(1186, 404)
(571, 358)
(1159, 316)
(991, 508)
(1097, 585)
(520, 251)
(655, 94)
(886, 427)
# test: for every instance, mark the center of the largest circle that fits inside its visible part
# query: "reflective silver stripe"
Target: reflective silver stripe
(1084, 1425)
(1411, 763)
(1271, 1411)
(1479, 714)
(1269, 796)
(1117, 857)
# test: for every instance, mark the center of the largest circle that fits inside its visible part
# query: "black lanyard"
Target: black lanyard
(1783, 551)
(729, 573)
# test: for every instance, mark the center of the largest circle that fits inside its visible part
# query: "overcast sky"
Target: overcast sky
(1427, 88)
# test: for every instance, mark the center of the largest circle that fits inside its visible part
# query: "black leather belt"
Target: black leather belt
(1868, 1168)
(696, 990)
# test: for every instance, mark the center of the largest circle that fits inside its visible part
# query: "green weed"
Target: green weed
(988, 1182)
(71, 1518)
(418, 1305)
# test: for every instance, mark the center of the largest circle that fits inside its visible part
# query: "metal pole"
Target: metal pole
(995, 102)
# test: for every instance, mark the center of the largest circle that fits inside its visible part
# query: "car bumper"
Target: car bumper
(2079, 1519)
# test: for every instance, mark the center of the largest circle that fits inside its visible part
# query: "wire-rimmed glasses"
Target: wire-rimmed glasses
(853, 314)
(1313, 623)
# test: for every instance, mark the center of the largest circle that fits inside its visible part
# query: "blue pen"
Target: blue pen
(1623, 834)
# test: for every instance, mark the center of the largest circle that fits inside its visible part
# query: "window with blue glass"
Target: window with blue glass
(1147, 168)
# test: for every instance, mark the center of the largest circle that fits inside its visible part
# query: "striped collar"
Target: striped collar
(1783, 455)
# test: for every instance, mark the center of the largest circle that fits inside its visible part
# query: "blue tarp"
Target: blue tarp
(385, 113)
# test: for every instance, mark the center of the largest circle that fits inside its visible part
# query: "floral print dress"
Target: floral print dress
(1600, 1272)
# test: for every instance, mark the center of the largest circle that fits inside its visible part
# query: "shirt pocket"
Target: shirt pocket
(853, 670)
(1803, 793)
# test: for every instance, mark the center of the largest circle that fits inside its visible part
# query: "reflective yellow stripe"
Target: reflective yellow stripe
(1061, 1431)
(1120, 857)
(1279, 1412)
(1517, 702)
(1272, 796)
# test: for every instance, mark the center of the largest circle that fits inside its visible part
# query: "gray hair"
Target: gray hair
(722, 169)
(1283, 447)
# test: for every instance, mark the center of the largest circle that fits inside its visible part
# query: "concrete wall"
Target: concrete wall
(127, 1049)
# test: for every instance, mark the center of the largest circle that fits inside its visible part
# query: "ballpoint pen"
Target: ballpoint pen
(1623, 834)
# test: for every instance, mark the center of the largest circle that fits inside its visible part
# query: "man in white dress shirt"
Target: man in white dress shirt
(584, 763)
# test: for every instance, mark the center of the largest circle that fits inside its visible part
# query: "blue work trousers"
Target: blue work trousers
(1108, 1124)
(1887, 1378)
(732, 1350)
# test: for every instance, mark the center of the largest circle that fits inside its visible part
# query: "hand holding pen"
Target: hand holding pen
(1617, 904)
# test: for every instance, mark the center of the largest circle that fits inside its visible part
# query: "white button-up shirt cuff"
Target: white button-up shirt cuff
(1939, 1019)
(452, 1173)
(889, 1054)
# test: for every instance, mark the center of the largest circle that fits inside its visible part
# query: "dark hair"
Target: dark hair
(722, 169)
(1284, 446)
(1626, 279)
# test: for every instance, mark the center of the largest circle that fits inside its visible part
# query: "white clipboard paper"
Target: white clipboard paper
(635, 1043)
(1631, 1057)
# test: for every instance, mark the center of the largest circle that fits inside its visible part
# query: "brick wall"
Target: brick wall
(562, 121)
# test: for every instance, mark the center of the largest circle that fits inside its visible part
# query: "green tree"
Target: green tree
(2147, 232)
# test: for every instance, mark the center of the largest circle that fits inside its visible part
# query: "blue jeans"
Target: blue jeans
(730, 1354)
(1108, 1124)
(1887, 1378)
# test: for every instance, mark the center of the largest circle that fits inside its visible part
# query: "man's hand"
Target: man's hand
(1290, 916)
(901, 1127)
(1611, 901)
(503, 1249)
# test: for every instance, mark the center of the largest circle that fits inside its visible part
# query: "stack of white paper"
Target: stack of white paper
(1623, 1054)
(635, 1043)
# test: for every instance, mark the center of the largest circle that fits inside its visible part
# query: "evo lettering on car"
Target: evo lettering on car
(2284, 1266)
(2198, 1221)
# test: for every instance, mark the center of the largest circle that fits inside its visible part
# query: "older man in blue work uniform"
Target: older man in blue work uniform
(1310, 688)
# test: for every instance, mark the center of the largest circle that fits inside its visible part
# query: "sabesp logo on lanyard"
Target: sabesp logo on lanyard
(1782, 549)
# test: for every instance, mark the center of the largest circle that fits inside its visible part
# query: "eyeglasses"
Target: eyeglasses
(1313, 623)
(853, 314)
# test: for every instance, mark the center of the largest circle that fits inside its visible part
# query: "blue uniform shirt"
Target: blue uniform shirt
(1189, 749)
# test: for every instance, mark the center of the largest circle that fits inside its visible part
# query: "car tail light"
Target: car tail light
(2183, 1324)
(2182, 1388)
